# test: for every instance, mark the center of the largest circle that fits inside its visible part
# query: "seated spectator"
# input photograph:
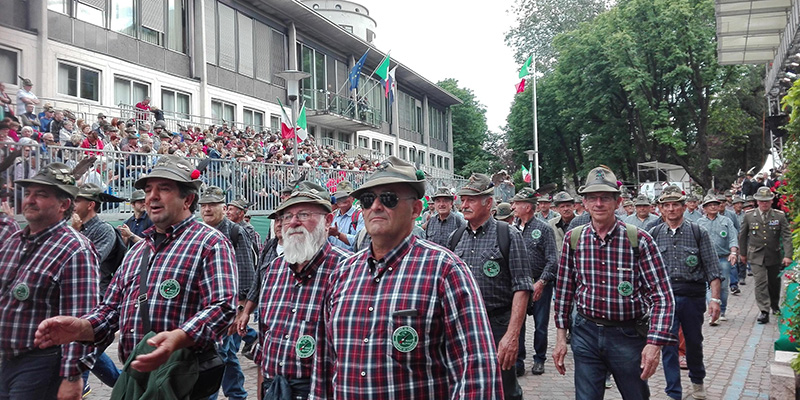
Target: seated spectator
(92, 141)
(66, 132)
(29, 118)
(57, 124)
(45, 117)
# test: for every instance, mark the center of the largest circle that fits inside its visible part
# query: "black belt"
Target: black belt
(631, 323)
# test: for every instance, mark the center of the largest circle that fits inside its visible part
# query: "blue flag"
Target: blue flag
(355, 73)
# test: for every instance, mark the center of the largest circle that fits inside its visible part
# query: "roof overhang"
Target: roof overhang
(312, 24)
(750, 31)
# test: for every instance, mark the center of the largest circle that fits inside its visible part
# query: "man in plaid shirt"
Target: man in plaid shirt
(290, 303)
(613, 286)
(46, 269)
(403, 318)
(212, 210)
(191, 284)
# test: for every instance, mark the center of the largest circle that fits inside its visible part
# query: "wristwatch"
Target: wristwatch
(718, 301)
(239, 308)
(73, 378)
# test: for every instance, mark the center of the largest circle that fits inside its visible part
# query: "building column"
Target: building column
(46, 67)
(291, 35)
(198, 55)
(426, 127)
(450, 138)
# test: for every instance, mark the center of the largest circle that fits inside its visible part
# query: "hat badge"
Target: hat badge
(600, 175)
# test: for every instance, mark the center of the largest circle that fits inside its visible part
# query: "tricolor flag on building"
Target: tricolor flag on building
(383, 68)
(390, 86)
(302, 125)
(287, 131)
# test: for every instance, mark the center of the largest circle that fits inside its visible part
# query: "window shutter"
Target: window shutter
(153, 15)
(263, 39)
(245, 44)
(98, 4)
(227, 37)
(211, 31)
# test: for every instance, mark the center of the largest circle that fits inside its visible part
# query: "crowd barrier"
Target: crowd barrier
(116, 171)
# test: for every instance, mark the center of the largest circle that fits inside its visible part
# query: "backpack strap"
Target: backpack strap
(456, 237)
(354, 220)
(575, 235)
(503, 240)
(235, 232)
(633, 237)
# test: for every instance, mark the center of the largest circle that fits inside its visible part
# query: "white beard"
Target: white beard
(298, 249)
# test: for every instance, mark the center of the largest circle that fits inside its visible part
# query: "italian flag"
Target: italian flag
(287, 132)
(526, 175)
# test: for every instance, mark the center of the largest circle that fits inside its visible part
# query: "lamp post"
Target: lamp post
(292, 78)
(531, 154)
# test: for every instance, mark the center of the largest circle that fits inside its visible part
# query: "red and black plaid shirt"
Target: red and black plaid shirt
(291, 307)
(200, 259)
(54, 272)
(601, 278)
(427, 291)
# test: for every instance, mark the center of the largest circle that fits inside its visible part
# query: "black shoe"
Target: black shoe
(248, 347)
(743, 283)
(520, 371)
(763, 318)
(735, 289)
(776, 311)
(749, 274)
(538, 368)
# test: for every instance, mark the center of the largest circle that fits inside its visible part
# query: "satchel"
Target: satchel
(210, 366)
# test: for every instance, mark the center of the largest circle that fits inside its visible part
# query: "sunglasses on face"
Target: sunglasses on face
(388, 199)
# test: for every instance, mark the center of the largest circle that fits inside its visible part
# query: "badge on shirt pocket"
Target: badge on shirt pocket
(536, 234)
(405, 339)
(723, 233)
(305, 346)
(169, 289)
(491, 268)
(21, 292)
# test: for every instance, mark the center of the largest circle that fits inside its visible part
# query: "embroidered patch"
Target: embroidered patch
(625, 288)
(692, 260)
(491, 268)
(169, 289)
(21, 292)
(536, 234)
(305, 346)
(405, 338)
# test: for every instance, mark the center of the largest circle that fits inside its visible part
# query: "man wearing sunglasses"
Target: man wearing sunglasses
(504, 274)
(407, 292)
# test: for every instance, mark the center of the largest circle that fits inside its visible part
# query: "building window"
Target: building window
(175, 104)
(363, 142)
(404, 152)
(274, 123)
(8, 65)
(439, 161)
(227, 37)
(222, 111)
(78, 81)
(254, 119)
(447, 163)
(376, 145)
(388, 149)
(128, 91)
(60, 6)
(123, 17)
(91, 11)
(421, 157)
(433, 160)
(348, 28)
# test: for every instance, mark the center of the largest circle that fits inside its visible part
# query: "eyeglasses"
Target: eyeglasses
(388, 199)
(301, 216)
(603, 199)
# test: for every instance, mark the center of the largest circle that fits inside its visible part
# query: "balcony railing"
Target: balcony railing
(326, 102)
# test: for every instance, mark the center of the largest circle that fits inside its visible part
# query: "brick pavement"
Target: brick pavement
(737, 357)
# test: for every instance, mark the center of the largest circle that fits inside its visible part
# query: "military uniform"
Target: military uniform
(760, 240)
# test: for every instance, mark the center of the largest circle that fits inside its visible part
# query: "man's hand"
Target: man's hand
(560, 351)
(650, 356)
(70, 390)
(240, 323)
(165, 343)
(333, 231)
(538, 289)
(76, 222)
(743, 259)
(713, 310)
(62, 330)
(732, 258)
(786, 261)
(6, 208)
(125, 232)
(507, 351)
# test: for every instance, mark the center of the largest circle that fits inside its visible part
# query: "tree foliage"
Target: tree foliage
(640, 82)
(470, 131)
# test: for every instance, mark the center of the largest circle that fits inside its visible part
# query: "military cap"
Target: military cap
(343, 189)
(212, 195)
(627, 203)
(442, 192)
(478, 185)
(737, 199)
(562, 197)
(641, 200)
(672, 193)
(92, 192)
(26, 82)
(137, 195)
(306, 192)
(600, 179)
(174, 168)
(394, 170)
(240, 203)
(710, 198)
(503, 211)
(526, 195)
(57, 175)
(764, 194)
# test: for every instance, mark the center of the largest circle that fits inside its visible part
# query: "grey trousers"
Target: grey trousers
(768, 286)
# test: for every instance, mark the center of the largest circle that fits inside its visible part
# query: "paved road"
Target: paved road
(737, 355)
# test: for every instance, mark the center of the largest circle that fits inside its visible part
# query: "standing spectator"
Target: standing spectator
(5, 102)
(693, 266)
(723, 235)
(765, 241)
(48, 269)
(435, 331)
(57, 124)
(25, 96)
(191, 284)
(604, 261)
(143, 109)
(132, 230)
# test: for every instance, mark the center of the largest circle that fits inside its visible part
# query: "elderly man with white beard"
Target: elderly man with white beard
(291, 294)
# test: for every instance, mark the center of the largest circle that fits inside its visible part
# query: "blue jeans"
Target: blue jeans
(511, 388)
(541, 320)
(689, 316)
(734, 275)
(31, 376)
(250, 336)
(105, 370)
(233, 378)
(600, 349)
(725, 268)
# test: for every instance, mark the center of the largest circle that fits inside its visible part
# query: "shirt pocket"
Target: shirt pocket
(409, 336)
(32, 288)
(691, 256)
(291, 343)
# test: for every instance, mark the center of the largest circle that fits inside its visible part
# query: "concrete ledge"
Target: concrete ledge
(782, 380)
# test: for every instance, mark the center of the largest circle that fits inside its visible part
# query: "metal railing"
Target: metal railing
(326, 102)
(117, 171)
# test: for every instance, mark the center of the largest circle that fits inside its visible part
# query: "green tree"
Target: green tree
(539, 21)
(470, 131)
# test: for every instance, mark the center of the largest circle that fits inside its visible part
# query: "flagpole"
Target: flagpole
(535, 129)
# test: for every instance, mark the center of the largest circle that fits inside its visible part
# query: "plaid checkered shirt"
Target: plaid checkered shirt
(419, 298)
(680, 250)
(101, 234)
(602, 281)
(540, 241)
(269, 251)
(54, 272)
(7, 227)
(244, 255)
(291, 308)
(196, 257)
(479, 248)
(439, 231)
